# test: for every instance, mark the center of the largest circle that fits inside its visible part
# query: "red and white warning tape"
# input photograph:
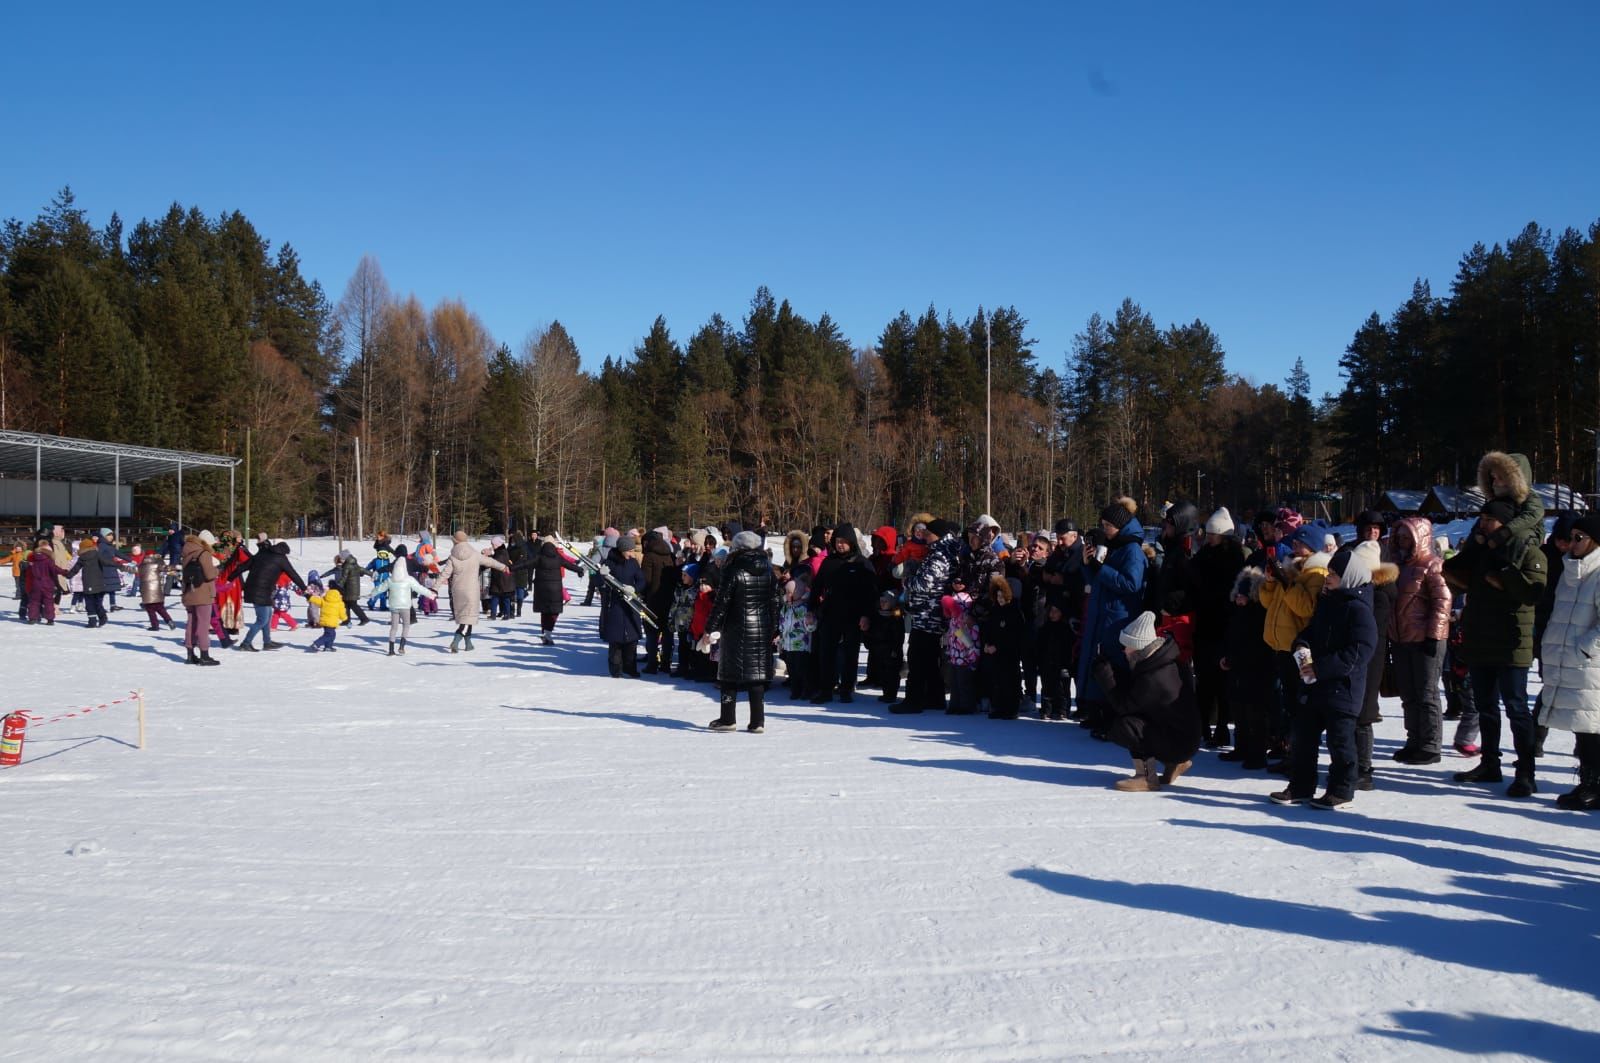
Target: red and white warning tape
(36, 719)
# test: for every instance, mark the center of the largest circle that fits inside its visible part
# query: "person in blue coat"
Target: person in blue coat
(1340, 640)
(620, 625)
(1115, 590)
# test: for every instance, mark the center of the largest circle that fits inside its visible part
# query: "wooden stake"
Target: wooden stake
(140, 694)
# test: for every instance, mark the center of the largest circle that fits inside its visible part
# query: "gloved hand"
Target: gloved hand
(629, 592)
(1429, 647)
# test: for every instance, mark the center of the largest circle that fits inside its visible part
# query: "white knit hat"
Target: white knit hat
(207, 538)
(1221, 523)
(1140, 633)
(1360, 562)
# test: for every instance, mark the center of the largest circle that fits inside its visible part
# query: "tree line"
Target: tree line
(192, 332)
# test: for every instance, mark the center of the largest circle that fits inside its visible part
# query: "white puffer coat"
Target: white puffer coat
(1570, 657)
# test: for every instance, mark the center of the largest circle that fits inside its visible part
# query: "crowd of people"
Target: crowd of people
(1264, 642)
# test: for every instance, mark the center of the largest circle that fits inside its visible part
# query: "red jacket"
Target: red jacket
(702, 613)
(1179, 629)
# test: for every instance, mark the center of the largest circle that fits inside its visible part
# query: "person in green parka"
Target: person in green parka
(1504, 577)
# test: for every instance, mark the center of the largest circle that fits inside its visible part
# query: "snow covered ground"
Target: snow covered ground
(508, 855)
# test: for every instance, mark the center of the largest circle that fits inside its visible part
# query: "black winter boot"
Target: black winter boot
(1486, 771)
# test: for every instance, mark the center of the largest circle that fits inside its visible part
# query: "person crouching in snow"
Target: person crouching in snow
(403, 589)
(1151, 705)
(331, 614)
(1333, 654)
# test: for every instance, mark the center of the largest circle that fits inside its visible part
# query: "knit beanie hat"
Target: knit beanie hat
(207, 538)
(747, 540)
(1140, 633)
(1221, 522)
(1116, 515)
(1499, 510)
(1065, 525)
(497, 541)
(105, 533)
(626, 543)
(1589, 525)
(1355, 566)
(610, 539)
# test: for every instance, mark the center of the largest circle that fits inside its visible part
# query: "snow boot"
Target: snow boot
(391, 649)
(1522, 784)
(194, 658)
(1329, 803)
(1364, 782)
(1585, 797)
(1486, 771)
(1175, 771)
(402, 647)
(469, 643)
(455, 643)
(1143, 779)
(206, 658)
(722, 725)
(1288, 797)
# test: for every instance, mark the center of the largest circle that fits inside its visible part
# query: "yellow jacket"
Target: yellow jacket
(332, 605)
(17, 556)
(1290, 605)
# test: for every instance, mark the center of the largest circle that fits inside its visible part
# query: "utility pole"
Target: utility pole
(988, 418)
(433, 491)
(361, 516)
(247, 485)
(338, 512)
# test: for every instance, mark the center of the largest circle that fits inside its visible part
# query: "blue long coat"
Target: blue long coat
(619, 621)
(1116, 594)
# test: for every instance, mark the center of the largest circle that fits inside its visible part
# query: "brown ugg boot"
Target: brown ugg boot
(1170, 776)
(1143, 779)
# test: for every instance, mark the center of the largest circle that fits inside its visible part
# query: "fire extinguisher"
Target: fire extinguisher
(15, 730)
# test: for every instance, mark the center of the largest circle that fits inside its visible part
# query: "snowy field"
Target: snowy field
(508, 855)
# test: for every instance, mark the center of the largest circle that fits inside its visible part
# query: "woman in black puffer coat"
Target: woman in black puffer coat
(548, 567)
(746, 620)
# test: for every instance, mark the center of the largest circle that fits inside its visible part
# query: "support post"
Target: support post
(231, 470)
(38, 486)
(988, 418)
(116, 500)
(247, 485)
(180, 496)
(140, 694)
(361, 513)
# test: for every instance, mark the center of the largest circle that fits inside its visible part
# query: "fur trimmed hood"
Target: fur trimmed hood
(1248, 584)
(1385, 574)
(1513, 471)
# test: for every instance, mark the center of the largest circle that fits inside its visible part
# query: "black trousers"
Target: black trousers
(838, 651)
(924, 681)
(1305, 744)
(1211, 686)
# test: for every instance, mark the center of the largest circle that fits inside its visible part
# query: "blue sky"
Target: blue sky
(1277, 170)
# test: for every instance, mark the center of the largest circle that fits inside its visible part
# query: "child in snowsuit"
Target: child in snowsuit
(796, 626)
(282, 602)
(701, 664)
(314, 590)
(886, 637)
(330, 604)
(1000, 619)
(43, 572)
(1054, 651)
(402, 589)
(961, 653)
(681, 615)
(153, 589)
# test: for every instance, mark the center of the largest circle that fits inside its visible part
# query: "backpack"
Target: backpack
(193, 575)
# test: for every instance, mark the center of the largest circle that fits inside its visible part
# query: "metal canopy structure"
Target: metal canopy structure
(27, 453)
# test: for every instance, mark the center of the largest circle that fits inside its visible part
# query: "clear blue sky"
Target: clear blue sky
(1277, 172)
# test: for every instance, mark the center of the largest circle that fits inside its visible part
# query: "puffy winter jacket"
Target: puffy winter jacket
(619, 620)
(1291, 604)
(1497, 622)
(206, 592)
(260, 574)
(404, 590)
(1343, 637)
(1570, 654)
(97, 576)
(844, 590)
(1422, 602)
(1116, 592)
(331, 606)
(1212, 572)
(152, 580)
(930, 583)
(1159, 690)
(746, 612)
